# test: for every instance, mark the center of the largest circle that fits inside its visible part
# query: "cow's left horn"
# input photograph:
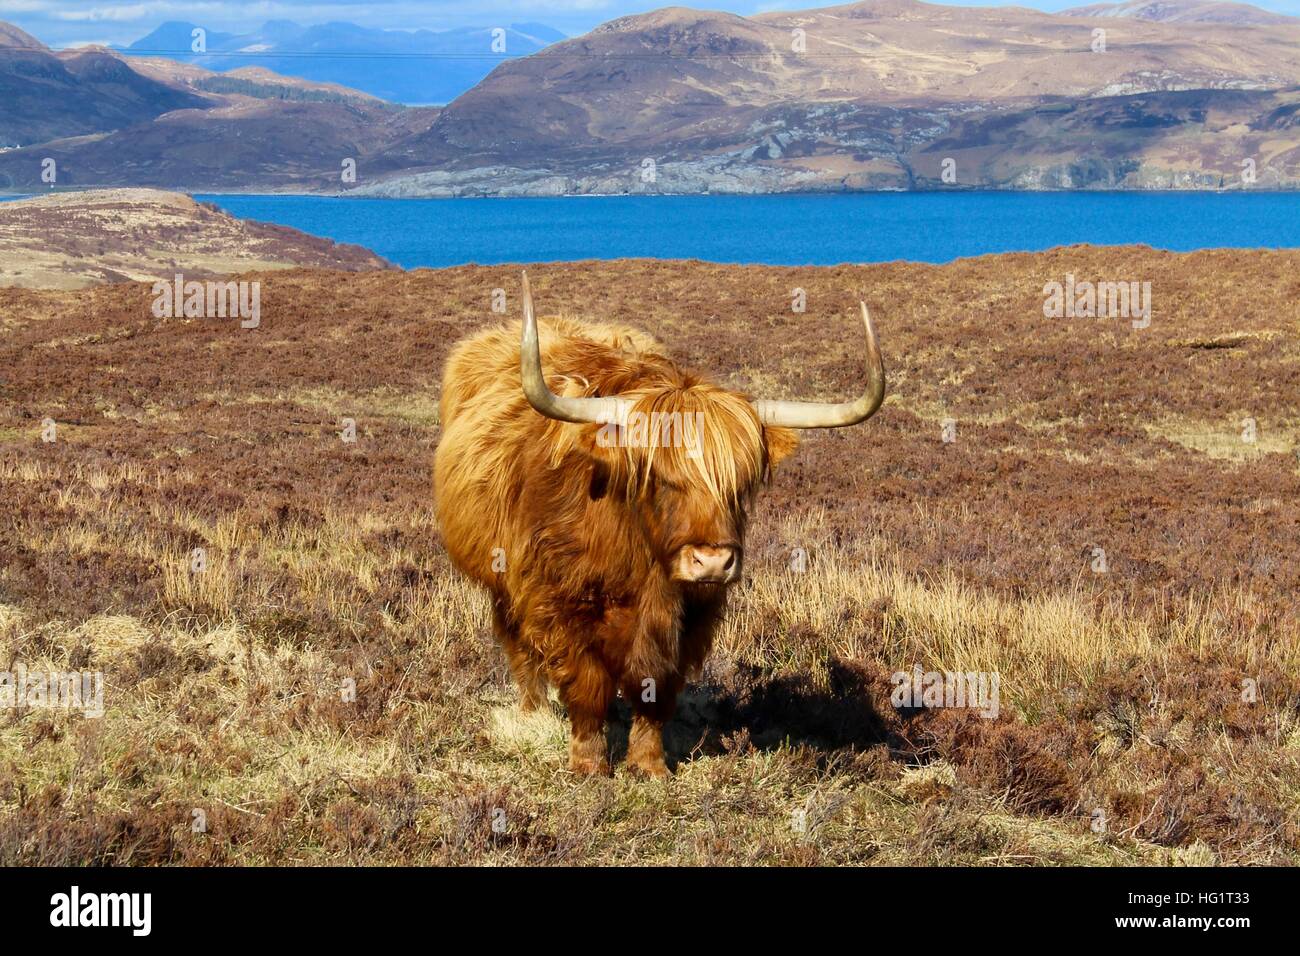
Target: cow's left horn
(818, 415)
(565, 408)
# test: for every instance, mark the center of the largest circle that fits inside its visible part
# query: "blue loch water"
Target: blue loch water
(813, 229)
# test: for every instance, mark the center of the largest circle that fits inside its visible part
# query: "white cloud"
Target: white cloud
(106, 14)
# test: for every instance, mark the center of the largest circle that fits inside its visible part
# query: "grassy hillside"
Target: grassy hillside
(1123, 733)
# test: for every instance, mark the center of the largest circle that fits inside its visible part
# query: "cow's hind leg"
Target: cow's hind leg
(525, 666)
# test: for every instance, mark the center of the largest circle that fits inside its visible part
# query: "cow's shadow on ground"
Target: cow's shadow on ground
(768, 712)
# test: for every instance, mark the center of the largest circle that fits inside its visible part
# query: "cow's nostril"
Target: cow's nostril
(730, 562)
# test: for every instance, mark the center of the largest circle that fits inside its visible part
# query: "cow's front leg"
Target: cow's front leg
(588, 754)
(645, 748)
(525, 665)
(528, 675)
(652, 707)
(587, 690)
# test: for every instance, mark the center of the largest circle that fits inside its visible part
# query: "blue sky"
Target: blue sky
(69, 22)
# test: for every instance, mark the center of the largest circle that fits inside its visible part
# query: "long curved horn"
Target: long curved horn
(564, 408)
(819, 415)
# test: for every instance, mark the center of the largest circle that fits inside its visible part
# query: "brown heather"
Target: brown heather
(1121, 692)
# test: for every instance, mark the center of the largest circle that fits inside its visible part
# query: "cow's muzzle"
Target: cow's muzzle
(703, 564)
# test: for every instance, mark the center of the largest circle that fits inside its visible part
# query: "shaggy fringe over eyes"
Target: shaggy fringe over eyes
(714, 441)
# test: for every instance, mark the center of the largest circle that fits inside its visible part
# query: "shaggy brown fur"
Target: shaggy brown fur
(577, 541)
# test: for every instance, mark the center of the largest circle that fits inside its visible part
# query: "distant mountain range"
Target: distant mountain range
(883, 94)
(1181, 11)
(45, 95)
(414, 67)
(876, 95)
(104, 120)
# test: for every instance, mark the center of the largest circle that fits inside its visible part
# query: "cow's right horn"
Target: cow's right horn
(835, 415)
(565, 408)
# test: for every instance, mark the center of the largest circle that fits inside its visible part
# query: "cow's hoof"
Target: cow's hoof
(586, 767)
(587, 756)
(649, 769)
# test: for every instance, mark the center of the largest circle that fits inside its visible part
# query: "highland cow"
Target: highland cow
(606, 540)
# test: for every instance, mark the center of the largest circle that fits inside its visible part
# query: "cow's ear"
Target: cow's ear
(781, 443)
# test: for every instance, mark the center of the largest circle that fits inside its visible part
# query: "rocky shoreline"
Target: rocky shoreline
(710, 177)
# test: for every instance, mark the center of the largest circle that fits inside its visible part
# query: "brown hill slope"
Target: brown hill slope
(70, 240)
(244, 143)
(840, 97)
(14, 38)
(109, 121)
(677, 74)
(47, 95)
(1187, 139)
(253, 81)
